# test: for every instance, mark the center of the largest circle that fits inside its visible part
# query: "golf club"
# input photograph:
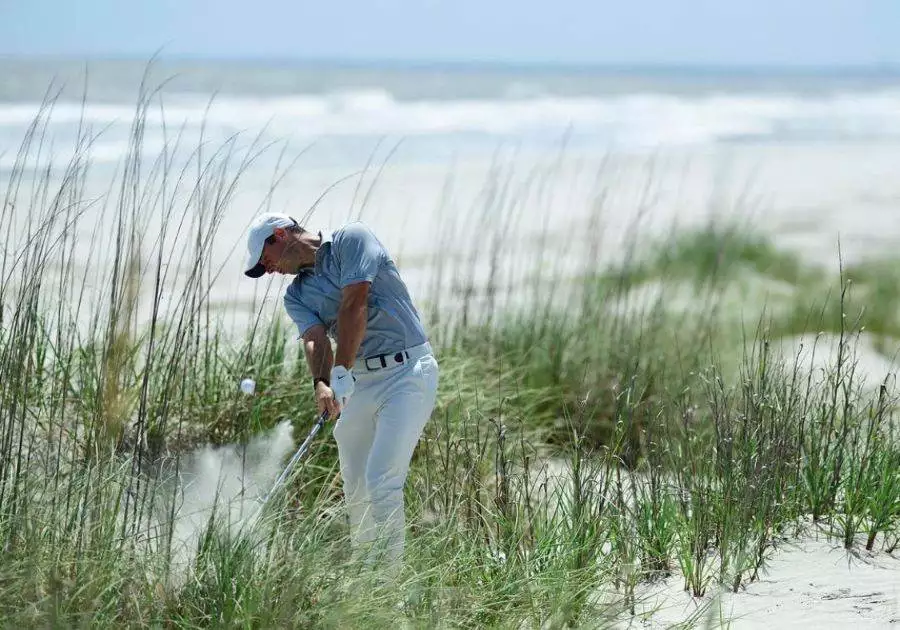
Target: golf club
(296, 457)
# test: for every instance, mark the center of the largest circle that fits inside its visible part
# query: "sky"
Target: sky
(667, 32)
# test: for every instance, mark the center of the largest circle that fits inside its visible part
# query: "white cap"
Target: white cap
(263, 227)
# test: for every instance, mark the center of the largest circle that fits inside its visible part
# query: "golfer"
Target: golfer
(380, 381)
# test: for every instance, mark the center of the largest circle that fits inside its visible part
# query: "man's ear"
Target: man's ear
(279, 233)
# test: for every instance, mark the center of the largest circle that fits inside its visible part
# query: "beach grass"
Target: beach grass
(611, 433)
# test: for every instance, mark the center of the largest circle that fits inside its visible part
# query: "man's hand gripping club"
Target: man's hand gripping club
(335, 397)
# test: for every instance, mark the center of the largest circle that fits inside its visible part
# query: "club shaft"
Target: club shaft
(300, 453)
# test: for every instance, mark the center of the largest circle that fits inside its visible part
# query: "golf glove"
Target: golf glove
(342, 384)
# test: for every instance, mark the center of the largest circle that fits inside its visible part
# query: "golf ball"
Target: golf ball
(248, 386)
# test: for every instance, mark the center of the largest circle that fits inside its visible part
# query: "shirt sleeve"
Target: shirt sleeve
(302, 316)
(359, 254)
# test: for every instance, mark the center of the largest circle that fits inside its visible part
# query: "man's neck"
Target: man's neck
(309, 246)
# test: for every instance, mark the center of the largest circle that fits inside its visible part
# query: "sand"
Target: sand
(810, 583)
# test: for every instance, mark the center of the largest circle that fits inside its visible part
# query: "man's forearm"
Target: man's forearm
(319, 357)
(351, 325)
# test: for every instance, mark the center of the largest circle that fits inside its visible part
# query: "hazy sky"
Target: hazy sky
(710, 32)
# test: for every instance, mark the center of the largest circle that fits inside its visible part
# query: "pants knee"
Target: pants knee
(385, 487)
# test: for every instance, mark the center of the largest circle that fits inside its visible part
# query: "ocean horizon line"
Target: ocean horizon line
(885, 69)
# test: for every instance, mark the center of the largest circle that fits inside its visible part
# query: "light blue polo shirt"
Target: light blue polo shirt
(348, 255)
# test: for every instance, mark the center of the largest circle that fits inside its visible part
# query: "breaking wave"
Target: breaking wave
(622, 121)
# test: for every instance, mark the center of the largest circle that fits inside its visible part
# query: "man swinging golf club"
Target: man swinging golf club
(380, 382)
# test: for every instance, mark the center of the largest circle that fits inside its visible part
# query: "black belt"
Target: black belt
(397, 358)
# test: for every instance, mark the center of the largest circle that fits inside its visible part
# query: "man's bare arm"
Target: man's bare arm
(351, 322)
(317, 347)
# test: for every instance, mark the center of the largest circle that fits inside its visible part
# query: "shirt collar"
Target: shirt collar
(326, 237)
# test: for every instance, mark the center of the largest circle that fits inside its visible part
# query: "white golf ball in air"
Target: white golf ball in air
(248, 386)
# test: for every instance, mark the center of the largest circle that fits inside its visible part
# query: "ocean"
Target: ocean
(466, 106)
(513, 162)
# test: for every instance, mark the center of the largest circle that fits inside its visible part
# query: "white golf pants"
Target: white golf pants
(376, 435)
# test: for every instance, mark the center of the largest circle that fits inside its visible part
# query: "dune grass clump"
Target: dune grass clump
(714, 253)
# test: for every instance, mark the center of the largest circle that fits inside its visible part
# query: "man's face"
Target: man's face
(277, 253)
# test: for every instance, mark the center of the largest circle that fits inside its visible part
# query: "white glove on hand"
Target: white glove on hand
(342, 384)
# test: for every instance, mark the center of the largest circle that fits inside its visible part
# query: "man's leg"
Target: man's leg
(354, 433)
(408, 403)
